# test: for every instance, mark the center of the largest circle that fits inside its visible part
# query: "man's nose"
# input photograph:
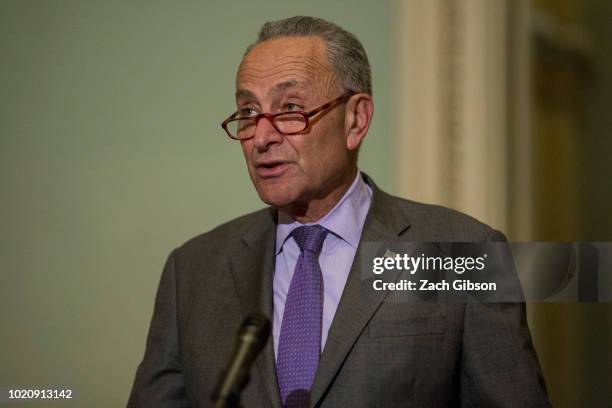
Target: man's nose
(265, 134)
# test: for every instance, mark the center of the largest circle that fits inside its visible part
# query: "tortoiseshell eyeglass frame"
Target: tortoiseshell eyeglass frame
(270, 116)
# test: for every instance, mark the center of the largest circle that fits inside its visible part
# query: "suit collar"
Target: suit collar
(386, 213)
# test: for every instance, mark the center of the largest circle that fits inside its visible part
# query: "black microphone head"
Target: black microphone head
(251, 338)
(256, 328)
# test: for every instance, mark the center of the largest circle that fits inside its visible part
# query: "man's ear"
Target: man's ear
(358, 116)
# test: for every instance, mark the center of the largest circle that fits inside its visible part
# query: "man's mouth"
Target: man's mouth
(271, 169)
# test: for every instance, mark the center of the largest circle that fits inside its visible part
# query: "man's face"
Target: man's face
(283, 74)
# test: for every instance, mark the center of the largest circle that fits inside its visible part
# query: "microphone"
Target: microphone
(251, 338)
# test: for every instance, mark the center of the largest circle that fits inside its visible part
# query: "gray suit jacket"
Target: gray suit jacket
(378, 354)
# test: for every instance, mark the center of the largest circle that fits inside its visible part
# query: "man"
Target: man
(304, 102)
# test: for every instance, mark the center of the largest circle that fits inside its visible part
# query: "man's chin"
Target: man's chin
(277, 202)
(277, 197)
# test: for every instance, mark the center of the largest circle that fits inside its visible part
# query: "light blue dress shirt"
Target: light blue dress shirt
(344, 223)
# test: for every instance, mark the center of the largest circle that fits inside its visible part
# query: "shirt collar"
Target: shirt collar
(345, 220)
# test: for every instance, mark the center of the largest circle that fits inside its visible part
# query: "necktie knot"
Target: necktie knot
(310, 238)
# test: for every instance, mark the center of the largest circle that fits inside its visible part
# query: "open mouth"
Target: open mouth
(275, 169)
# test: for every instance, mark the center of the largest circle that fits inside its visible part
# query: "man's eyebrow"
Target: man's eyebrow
(278, 88)
(243, 93)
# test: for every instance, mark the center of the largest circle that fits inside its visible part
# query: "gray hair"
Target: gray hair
(345, 53)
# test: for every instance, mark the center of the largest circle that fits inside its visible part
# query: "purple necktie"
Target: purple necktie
(299, 344)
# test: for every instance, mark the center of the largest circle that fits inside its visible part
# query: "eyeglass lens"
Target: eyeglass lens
(285, 123)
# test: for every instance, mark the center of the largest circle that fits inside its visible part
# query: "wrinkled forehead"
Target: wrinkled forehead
(282, 64)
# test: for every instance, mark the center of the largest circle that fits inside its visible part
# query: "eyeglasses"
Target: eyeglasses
(285, 123)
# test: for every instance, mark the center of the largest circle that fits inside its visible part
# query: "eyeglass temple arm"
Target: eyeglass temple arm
(329, 104)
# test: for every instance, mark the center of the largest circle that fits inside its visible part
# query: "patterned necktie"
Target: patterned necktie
(299, 344)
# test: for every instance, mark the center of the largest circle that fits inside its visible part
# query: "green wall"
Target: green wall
(111, 155)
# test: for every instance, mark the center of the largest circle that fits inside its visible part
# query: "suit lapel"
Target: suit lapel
(385, 222)
(252, 266)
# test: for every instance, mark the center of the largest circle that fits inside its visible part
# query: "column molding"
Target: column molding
(452, 105)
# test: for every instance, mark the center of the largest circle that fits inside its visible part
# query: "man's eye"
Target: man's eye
(247, 112)
(291, 107)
